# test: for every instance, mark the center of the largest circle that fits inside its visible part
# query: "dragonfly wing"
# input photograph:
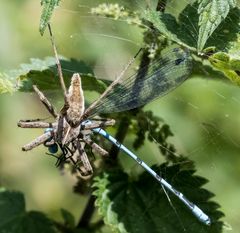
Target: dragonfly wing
(150, 82)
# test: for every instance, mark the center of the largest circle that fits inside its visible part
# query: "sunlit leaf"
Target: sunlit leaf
(47, 11)
(211, 14)
(230, 66)
(184, 30)
(6, 86)
(14, 217)
(222, 37)
(166, 24)
(137, 206)
(206, 70)
(179, 30)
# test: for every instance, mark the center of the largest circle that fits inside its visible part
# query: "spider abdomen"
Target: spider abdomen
(75, 100)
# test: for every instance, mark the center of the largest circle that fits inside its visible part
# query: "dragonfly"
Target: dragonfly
(74, 125)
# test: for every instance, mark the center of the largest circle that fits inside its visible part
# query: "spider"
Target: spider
(69, 130)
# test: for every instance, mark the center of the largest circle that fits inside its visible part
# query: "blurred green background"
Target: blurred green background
(203, 114)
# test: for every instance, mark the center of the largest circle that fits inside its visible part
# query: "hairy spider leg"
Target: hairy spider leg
(39, 124)
(110, 87)
(35, 124)
(96, 147)
(37, 141)
(45, 102)
(73, 108)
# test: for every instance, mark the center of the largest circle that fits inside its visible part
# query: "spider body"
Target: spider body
(68, 130)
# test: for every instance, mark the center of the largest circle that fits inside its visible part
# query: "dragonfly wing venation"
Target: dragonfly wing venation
(157, 79)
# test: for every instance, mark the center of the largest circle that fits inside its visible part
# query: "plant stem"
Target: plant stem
(121, 132)
(87, 213)
(97, 225)
(120, 136)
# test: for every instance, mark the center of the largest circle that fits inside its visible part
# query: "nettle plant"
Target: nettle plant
(124, 203)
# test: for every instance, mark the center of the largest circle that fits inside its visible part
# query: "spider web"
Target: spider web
(202, 113)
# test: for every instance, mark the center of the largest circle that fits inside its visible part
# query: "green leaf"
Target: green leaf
(230, 66)
(211, 14)
(184, 30)
(69, 220)
(137, 206)
(234, 47)
(206, 70)
(47, 11)
(43, 73)
(177, 30)
(166, 24)
(227, 33)
(15, 219)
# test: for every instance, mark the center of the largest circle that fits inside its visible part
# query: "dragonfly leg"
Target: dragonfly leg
(72, 158)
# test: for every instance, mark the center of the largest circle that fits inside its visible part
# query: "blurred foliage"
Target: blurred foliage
(14, 217)
(229, 66)
(219, 137)
(48, 7)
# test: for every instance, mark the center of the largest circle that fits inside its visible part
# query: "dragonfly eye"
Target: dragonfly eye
(53, 148)
(179, 61)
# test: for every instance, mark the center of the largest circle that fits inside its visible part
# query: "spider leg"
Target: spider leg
(35, 124)
(96, 147)
(97, 124)
(59, 68)
(45, 102)
(60, 129)
(37, 141)
(66, 136)
(97, 118)
(86, 131)
(109, 88)
(84, 159)
(33, 120)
